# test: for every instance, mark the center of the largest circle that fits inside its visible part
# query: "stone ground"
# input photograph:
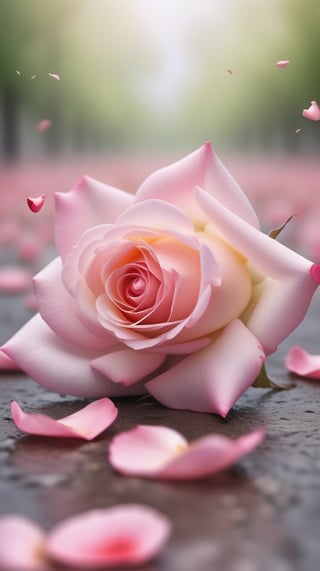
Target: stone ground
(263, 514)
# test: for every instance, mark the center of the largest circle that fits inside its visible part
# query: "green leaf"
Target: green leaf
(263, 381)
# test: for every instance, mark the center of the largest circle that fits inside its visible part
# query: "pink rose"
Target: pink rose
(174, 290)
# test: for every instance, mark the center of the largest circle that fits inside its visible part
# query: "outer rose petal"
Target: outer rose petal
(88, 204)
(6, 363)
(58, 366)
(160, 452)
(286, 292)
(176, 184)
(86, 424)
(127, 366)
(55, 306)
(21, 544)
(122, 535)
(303, 363)
(212, 379)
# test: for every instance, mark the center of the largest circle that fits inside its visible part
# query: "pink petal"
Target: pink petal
(288, 286)
(155, 214)
(122, 535)
(59, 366)
(86, 424)
(21, 544)
(90, 203)
(303, 363)
(43, 125)
(14, 279)
(56, 307)
(35, 204)
(161, 452)
(176, 184)
(54, 76)
(6, 363)
(313, 112)
(282, 63)
(229, 71)
(127, 366)
(212, 379)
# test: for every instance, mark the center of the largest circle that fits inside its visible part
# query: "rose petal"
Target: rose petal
(212, 379)
(86, 424)
(313, 112)
(21, 544)
(89, 203)
(58, 366)
(282, 63)
(43, 125)
(36, 203)
(55, 305)
(175, 184)
(127, 366)
(160, 452)
(289, 283)
(122, 535)
(6, 363)
(302, 363)
(54, 76)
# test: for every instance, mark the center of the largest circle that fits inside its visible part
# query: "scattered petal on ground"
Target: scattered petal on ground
(161, 452)
(36, 203)
(282, 63)
(87, 423)
(21, 544)
(43, 125)
(54, 76)
(7, 364)
(14, 279)
(122, 535)
(302, 363)
(313, 112)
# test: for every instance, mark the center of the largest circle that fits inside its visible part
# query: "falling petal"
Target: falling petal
(161, 452)
(302, 363)
(36, 203)
(14, 279)
(43, 125)
(313, 112)
(33, 76)
(21, 544)
(128, 534)
(298, 130)
(282, 63)
(18, 72)
(54, 76)
(229, 71)
(87, 423)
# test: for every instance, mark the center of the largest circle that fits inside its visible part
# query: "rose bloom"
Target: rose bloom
(174, 291)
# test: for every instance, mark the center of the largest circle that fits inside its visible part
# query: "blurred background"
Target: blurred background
(117, 88)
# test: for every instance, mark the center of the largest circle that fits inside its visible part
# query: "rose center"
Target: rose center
(136, 286)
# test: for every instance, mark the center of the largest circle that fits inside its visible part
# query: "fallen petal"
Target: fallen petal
(14, 279)
(121, 535)
(302, 363)
(313, 112)
(36, 203)
(161, 452)
(21, 544)
(282, 63)
(87, 423)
